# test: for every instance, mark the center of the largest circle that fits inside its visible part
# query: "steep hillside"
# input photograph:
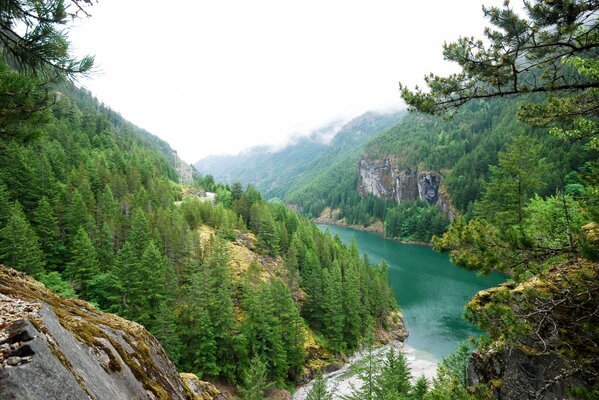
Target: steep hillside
(276, 172)
(428, 161)
(91, 207)
(52, 348)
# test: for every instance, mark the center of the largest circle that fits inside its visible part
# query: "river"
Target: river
(432, 293)
(429, 289)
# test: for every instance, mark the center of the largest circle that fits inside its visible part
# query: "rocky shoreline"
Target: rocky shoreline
(342, 381)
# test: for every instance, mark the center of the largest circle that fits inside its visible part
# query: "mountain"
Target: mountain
(423, 164)
(99, 210)
(274, 172)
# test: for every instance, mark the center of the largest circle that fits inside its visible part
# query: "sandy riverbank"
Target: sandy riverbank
(340, 382)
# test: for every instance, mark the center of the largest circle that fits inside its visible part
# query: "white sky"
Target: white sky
(215, 77)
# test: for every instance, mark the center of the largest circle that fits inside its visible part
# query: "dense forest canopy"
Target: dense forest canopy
(546, 240)
(90, 206)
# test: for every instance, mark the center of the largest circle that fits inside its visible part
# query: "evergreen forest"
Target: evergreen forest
(242, 290)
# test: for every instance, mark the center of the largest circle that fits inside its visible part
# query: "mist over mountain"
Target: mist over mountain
(275, 171)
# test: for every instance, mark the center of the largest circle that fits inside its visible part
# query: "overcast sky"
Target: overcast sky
(215, 77)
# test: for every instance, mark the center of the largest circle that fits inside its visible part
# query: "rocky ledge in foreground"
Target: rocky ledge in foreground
(56, 348)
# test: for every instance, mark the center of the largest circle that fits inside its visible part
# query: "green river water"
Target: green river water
(429, 289)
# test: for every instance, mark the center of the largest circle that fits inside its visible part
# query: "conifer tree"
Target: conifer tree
(254, 382)
(19, 245)
(292, 328)
(76, 215)
(48, 232)
(319, 389)
(419, 389)
(263, 330)
(5, 205)
(166, 330)
(352, 330)
(393, 378)
(139, 235)
(155, 272)
(313, 284)
(83, 262)
(333, 318)
(126, 272)
(104, 242)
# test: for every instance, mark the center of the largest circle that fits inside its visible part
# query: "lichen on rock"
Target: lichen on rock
(52, 347)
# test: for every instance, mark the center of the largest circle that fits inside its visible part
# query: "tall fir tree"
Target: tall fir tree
(83, 262)
(46, 226)
(19, 245)
(254, 383)
(319, 389)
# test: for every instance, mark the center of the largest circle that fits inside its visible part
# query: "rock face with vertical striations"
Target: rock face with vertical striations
(56, 348)
(382, 179)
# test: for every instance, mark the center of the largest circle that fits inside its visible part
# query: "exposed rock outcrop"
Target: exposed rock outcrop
(56, 348)
(544, 333)
(515, 375)
(382, 179)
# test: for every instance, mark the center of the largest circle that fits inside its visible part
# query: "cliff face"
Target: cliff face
(382, 179)
(53, 348)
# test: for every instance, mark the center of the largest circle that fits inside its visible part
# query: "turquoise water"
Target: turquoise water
(429, 289)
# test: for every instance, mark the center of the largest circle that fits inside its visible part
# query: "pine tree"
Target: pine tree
(19, 245)
(126, 272)
(393, 378)
(5, 205)
(76, 215)
(254, 382)
(104, 241)
(139, 235)
(419, 389)
(292, 328)
(46, 227)
(352, 330)
(156, 272)
(333, 318)
(83, 263)
(166, 330)
(263, 330)
(319, 389)
(313, 282)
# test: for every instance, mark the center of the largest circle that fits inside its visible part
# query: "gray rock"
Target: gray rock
(44, 377)
(57, 348)
(382, 179)
(515, 375)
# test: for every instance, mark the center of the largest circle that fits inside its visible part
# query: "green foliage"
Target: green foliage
(53, 281)
(319, 389)
(451, 380)
(393, 380)
(46, 226)
(511, 183)
(414, 221)
(83, 263)
(19, 246)
(254, 383)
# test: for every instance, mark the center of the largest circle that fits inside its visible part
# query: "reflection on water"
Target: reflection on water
(429, 289)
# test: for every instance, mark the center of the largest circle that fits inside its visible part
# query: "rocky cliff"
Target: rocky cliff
(544, 335)
(381, 178)
(56, 348)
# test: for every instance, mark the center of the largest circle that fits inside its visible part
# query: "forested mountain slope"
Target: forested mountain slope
(459, 149)
(90, 206)
(275, 172)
